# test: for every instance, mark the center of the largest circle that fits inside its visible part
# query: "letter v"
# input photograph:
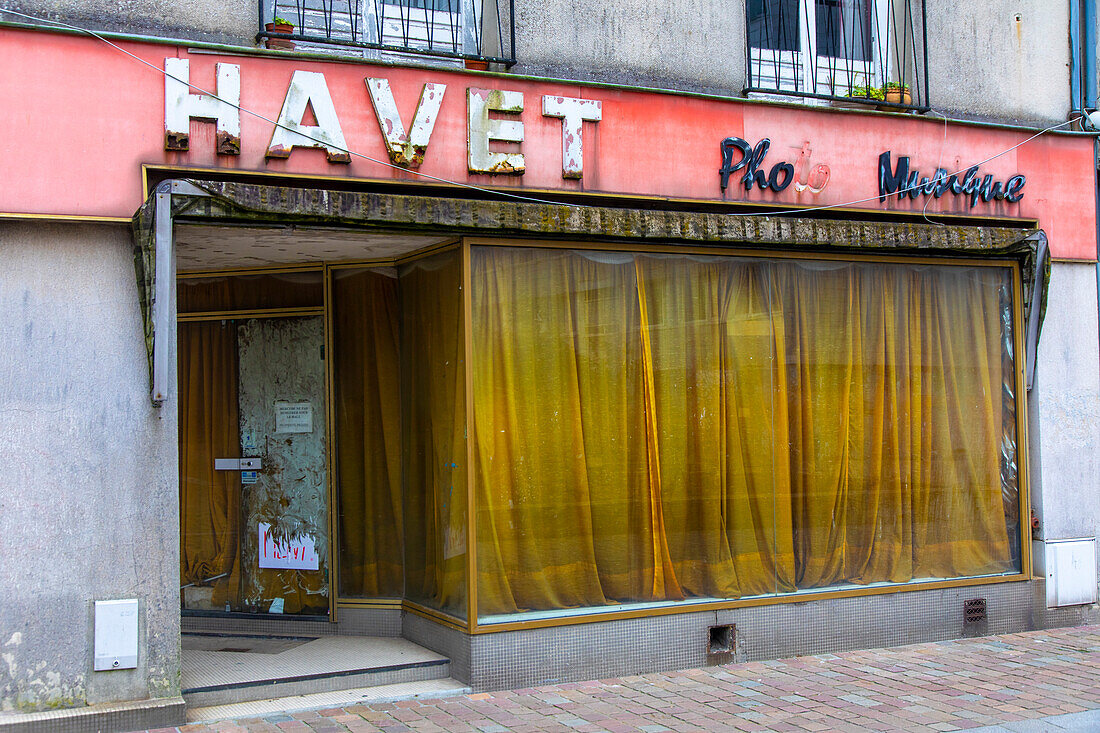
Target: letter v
(405, 149)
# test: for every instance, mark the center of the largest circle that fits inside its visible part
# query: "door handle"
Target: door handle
(237, 464)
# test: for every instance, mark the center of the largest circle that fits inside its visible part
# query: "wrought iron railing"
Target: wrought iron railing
(450, 31)
(860, 51)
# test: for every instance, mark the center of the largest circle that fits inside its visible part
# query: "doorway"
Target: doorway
(254, 469)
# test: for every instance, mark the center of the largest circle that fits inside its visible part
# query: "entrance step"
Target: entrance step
(221, 669)
(426, 690)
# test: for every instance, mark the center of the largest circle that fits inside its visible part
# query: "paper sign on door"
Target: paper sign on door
(293, 417)
(298, 553)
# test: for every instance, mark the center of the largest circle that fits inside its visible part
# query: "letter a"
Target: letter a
(308, 89)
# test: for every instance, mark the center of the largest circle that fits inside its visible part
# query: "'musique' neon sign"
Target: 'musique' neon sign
(971, 183)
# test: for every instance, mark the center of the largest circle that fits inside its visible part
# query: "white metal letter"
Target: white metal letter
(573, 113)
(308, 90)
(481, 130)
(181, 106)
(405, 149)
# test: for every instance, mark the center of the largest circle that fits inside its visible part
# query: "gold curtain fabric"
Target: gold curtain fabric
(208, 429)
(654, 427)
(368, 426)
(434, 427)
(246, 292)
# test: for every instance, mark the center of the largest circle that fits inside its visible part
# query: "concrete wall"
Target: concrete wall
(696, 45)
(223, 21)
(88, 489)
(1065, 409)
(984, 63)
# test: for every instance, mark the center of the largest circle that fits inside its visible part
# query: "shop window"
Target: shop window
(367, 377)
(836, 48)
(674, 428)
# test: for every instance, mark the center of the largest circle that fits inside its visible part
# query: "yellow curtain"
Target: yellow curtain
(896, 408)
(662, 427)
(565, 511)
(434, 427)
(959, 522)
(368, 426)
(209, 499)
(244, 292)
(711, 367)
(607, 470)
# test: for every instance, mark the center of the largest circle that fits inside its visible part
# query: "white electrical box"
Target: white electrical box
(116, 635)
(1071, 572)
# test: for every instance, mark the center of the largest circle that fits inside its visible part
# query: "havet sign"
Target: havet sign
(405, 144)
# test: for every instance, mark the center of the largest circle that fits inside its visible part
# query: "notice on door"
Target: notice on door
(297, 553)
(293, 417)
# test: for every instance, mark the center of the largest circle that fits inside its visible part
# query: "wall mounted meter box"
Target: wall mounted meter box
(116, 635)
(1071, 572)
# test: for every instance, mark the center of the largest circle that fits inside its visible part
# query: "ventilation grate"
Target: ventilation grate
(721, 644)
(974, 611)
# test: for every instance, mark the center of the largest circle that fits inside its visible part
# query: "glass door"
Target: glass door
(254, 487)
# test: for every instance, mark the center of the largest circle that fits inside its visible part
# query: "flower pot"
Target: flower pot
(280, 44)
(898, 96)
(477, 64)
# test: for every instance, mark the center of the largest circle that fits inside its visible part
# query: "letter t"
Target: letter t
(573, 113)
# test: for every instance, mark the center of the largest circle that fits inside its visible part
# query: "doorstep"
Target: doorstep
(222, 669)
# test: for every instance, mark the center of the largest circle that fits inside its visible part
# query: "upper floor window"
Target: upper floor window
(449, 31)
(837, 48)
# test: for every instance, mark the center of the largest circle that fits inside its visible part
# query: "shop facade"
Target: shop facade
(559, 380)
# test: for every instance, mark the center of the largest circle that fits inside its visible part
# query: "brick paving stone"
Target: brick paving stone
(952, 685)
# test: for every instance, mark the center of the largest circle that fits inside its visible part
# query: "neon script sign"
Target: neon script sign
(781, 175)
(905, 182)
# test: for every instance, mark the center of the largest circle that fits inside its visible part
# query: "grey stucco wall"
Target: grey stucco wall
(88, 506)
(1065, 404)
(983, 62)
(223, 21)
(696, 45)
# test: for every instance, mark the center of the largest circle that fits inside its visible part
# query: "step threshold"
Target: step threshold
(271, 707)
(383, 669)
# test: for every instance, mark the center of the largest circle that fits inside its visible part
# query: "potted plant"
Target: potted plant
(869, 93)
(280, 26)
(897, 93)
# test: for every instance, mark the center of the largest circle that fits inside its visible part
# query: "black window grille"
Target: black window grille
(450, 31)
(867, 50)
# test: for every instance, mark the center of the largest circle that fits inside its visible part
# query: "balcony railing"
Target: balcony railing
(448, 31)
(860, 51)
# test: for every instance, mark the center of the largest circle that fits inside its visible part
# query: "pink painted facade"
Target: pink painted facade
(81, 119)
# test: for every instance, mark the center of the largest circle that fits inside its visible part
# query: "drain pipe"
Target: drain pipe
(1090, 103)
(1075, 46)
(1096, 188)
(1089, 52)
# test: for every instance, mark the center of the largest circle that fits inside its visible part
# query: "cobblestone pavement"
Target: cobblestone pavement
(1013, 682)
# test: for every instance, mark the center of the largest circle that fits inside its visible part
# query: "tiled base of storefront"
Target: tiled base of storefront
(553, 655)
(158, 713)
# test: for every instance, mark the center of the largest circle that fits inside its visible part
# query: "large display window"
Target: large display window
(655, 428)
(540, 434)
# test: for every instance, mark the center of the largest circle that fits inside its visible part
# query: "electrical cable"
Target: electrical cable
(506, 194)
